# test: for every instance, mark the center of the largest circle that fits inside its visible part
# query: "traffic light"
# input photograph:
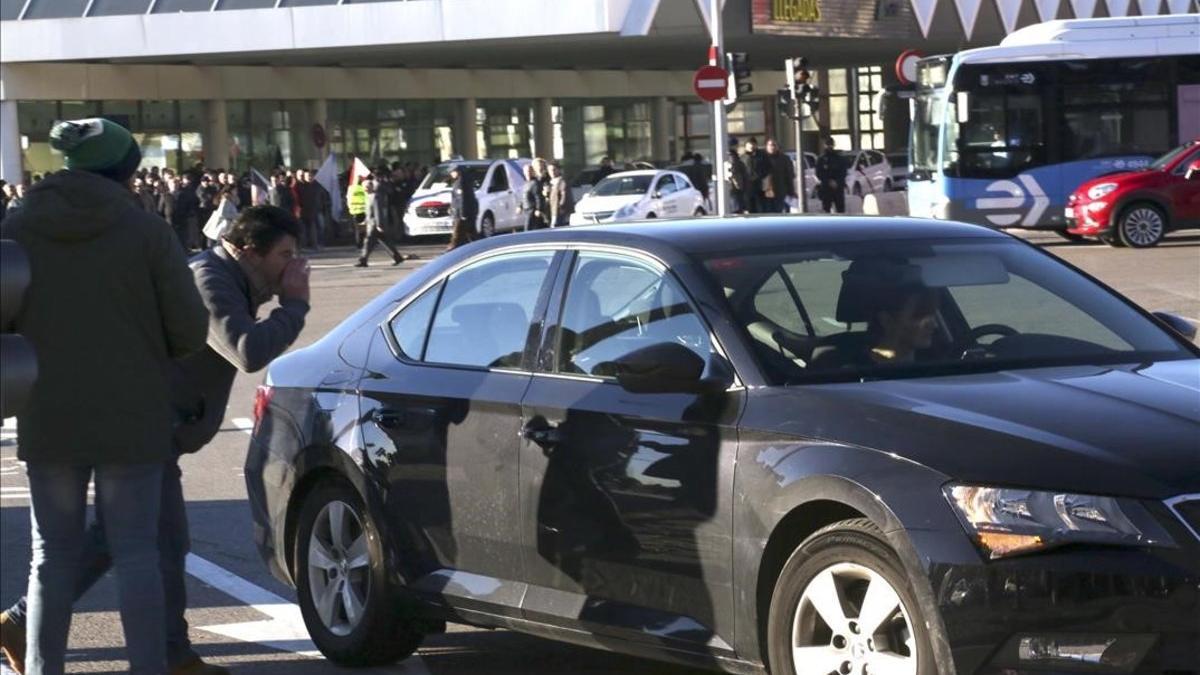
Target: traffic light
(738, 65)
(18, 364)
(799, 79)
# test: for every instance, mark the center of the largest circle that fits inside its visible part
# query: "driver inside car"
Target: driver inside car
(904, 322)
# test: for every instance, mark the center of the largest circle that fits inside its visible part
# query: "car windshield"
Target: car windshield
(623, 185)
(893, 309)
(440, 176)
(1171, 156)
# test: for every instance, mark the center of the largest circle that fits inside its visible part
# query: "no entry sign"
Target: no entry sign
(711, 83)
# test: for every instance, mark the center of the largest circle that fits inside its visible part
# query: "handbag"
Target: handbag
(768, 188)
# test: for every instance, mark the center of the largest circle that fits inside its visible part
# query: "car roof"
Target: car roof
(640, 172)
(706, 235)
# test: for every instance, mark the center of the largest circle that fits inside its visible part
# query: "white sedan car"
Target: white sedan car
(638, 195)
(868, 172)
(498, 186)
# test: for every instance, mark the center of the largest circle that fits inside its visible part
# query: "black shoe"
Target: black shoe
(397, 260)
(361, 263)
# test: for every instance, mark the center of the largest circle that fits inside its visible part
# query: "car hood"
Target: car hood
(1126, 430)
(1125, 179)
(594, 204)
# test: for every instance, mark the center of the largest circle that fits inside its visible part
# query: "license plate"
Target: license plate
(1070, 213)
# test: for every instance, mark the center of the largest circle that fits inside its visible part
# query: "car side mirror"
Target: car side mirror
(657, 194)
(668, 368)
(1178, 324)
(1193, 170)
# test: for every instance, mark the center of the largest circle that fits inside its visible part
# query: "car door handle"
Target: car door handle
(543, 436)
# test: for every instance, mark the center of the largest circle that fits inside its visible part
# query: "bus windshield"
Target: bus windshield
(995, 126)
(929, 107)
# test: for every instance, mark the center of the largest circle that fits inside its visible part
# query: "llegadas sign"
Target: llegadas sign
(796, 11)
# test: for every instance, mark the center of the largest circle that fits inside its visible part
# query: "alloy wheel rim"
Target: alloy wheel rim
(339, 567)
(851, 621)
(1143, 226)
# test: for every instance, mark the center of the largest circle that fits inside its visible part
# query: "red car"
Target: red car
(1137, 208)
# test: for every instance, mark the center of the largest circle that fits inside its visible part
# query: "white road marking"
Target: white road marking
(244, 423)
(285, 629)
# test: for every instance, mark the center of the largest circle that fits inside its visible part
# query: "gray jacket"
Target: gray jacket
(237, 340)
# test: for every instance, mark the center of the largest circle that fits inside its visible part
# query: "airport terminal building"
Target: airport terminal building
(264, 83)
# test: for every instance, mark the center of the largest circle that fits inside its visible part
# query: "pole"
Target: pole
(716, 57)
(801, 193)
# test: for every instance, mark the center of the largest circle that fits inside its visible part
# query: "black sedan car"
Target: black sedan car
(869, 446)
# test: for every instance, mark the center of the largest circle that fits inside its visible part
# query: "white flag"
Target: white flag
(1047, 9)
(1149, 7)
(1010, 11)
(968, 11)
(1117, 7)
(1179, 6)
(1084, 9)
(327, 177)
(924, 9)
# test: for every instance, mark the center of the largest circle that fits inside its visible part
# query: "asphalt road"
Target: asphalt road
(241, 617)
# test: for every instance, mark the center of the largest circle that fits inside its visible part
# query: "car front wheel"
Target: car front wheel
(1141, 226)
(842, 604)
(487, 225)
(347, 600)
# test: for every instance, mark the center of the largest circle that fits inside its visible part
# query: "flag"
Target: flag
(358, 171)
(260, 187)
(327, 177)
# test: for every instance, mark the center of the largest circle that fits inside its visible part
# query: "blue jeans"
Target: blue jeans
(128, 496)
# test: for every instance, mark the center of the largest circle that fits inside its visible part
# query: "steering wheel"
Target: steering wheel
(971, 339)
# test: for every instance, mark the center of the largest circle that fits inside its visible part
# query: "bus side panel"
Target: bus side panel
(1032, 199)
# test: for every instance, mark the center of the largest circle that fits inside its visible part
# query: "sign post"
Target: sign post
(716, 56)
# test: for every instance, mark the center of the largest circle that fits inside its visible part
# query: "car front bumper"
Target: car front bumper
(1081, 610)
(415, 226)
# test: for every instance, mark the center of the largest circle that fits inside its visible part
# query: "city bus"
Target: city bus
(1002, 135)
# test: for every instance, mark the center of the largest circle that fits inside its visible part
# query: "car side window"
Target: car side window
(499, 179)
(666, 185)
(410, 326)
(616, 305)
(1182, 167)
(483, 317)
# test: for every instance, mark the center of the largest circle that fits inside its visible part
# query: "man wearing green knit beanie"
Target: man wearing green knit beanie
(98, 146)
(111, 305)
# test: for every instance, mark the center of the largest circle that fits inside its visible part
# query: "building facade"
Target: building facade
(266, 83)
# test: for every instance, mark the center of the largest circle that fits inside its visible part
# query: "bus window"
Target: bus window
(1003, 134)
(1102, 120)
(927, 120)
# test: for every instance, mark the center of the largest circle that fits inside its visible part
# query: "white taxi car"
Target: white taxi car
(498, 184)
(638, 195)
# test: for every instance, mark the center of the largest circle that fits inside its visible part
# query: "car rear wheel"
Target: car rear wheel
(650, 215)
(699, 212)
(1141, 225)
(842, 604)
(346, 597)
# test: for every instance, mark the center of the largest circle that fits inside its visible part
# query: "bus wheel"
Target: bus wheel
(1141, 225)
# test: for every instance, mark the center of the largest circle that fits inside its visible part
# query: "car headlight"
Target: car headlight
(1100, 191)
(1008, 521)
(626, 211)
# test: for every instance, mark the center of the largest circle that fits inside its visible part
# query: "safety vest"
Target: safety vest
(356, 200)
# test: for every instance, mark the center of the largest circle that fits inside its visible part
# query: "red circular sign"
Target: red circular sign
(906, 66)
(318, 135)
(711, 83)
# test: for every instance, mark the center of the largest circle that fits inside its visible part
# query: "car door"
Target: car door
(440, 420)
(685, 198)
(626, 497)
(500, 195)
(1185, 194)
(665, 190)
